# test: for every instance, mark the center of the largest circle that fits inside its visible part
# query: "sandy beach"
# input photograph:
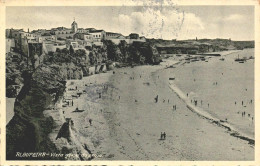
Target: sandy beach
(126, 123)
(9, 109)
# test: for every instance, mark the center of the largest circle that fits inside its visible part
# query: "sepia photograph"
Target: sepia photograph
(150, 82)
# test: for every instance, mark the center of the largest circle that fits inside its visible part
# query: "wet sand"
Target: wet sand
(129, 127)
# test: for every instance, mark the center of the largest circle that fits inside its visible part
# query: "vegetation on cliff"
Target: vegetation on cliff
(44, 78)
(136, 53)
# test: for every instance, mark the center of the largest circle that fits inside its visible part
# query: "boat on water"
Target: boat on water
(222, 59)
(240, 60)
(251, 57)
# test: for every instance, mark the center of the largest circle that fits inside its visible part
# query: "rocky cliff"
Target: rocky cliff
(29, 128)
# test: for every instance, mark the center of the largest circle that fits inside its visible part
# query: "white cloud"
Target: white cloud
(153, 23)
(235, 17)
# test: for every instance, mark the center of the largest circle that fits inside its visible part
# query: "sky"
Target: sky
(166, 22)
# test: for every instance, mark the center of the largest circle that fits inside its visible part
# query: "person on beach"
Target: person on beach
(163, 100)
(168, 100)
(161, 135)
(164, 136)
(200, 102)
(242, 102)
(72, 103)
(208, 105)
(156, 99)
(187, 95)
(99, 95)
(90, 122)
(235, 102)
(76, 87)
(119, 97)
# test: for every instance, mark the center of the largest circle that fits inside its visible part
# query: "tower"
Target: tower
(74, 26)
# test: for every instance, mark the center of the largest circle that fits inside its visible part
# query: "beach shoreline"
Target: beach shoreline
(125, 124)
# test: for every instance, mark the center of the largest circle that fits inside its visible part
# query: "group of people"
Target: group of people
(196, 102)
(249, 115)
(215, 83)
(244, 113)
(250, 102)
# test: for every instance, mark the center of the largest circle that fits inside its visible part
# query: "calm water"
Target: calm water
(221, 84)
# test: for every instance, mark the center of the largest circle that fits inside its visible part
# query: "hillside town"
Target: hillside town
(61, 37)
(17, 40)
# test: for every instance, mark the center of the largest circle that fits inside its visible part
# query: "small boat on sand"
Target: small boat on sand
(78, 110)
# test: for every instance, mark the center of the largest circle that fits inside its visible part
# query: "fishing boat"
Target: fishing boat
(240, 60)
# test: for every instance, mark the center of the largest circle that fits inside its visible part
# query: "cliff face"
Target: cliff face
(43, 86)
(29, 128)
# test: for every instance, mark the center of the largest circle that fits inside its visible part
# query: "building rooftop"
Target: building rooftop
(94, 31)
